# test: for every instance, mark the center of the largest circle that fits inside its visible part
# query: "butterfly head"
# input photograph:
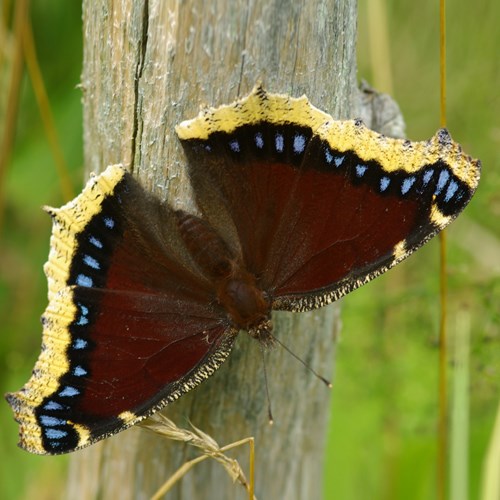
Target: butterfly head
(263, 332)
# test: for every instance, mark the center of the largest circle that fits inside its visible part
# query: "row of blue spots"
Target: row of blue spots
(91, 262)
(443, 180)
(299, 143)
(410, 181)
(444, 177)
(79, 343)
(50, 424)
(330, 158)
(68, 391)
(56, 429)
(82, 319)
(406, 185)
(385, 181)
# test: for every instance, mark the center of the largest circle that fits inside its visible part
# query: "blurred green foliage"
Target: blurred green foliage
(383, 435)
(384, 416)
(31, 182)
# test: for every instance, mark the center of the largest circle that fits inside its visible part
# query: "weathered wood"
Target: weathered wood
(147, 66)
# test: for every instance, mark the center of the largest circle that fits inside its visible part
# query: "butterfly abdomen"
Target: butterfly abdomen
(205, 246)
(235, 287)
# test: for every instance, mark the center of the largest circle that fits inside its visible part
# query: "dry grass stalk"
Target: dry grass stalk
(162, 425)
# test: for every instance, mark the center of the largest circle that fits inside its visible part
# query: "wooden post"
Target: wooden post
(147, 66)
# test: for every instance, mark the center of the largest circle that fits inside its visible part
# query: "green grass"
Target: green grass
(382, 443)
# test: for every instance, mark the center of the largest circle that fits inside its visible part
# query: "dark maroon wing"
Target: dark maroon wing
(130, 325)
(318, 207)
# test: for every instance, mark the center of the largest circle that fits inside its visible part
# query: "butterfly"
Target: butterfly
(295, 210)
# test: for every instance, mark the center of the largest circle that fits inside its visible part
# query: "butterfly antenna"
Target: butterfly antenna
(269, 412)
(300, 360)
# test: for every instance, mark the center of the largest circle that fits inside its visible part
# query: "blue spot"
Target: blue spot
(279, 142)
(360, 170)
(51, 421)
(428, 176)
(53, 405)
(94, 241)
(384, 183)
(80, 344)
(83, 309)
(83, 280)
(109, 222)
(407, 184)
(82, 321)
(443, 179)
(55, 434)
(79, 371)
(259, 140)
(235, 146)
(208, 147)
(339, 160)
(69, 392)
(328, 156)
(299, 143)
(91, 262)
(450, 192)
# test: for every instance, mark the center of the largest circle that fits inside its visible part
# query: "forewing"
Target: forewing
(130, 324)
(317, 206)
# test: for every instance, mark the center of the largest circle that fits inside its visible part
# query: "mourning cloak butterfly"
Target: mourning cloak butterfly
(145, 301)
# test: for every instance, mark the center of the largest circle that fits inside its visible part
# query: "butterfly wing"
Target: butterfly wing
(313, 207)
(130, 324)
(318, 206)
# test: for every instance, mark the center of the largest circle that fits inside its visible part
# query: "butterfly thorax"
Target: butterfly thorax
(237, 291)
